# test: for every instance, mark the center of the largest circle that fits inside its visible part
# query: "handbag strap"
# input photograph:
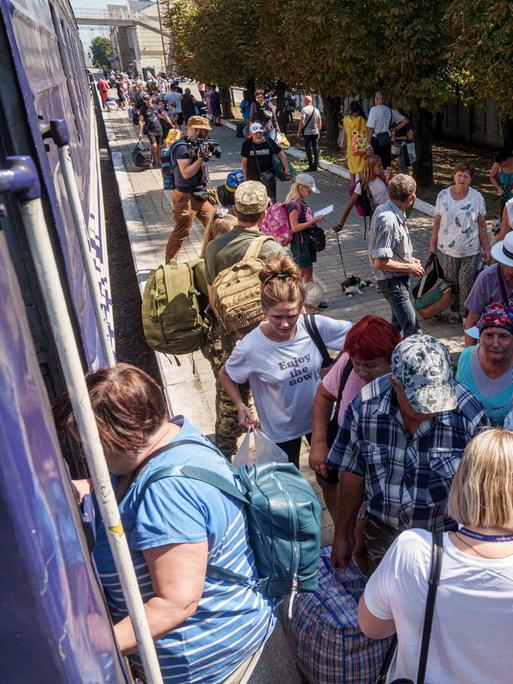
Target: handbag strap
(308, 122)
(256, 160)
(343, 382)
(313, 331)
(437, 550)
(502, 285)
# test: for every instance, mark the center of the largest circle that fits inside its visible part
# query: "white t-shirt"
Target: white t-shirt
(379, 118)
(283, 376)
(306, 113)
(175, 99)
(378, 190)
(458, 235)
(471, 633)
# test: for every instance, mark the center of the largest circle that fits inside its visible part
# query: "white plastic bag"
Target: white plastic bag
(313, 295)
(258, 448)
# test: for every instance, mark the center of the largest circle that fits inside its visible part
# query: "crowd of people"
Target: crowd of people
(402, 445)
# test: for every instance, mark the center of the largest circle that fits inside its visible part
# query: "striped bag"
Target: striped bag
(323, 632)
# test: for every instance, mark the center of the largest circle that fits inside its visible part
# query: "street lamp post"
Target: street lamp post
(162, 37)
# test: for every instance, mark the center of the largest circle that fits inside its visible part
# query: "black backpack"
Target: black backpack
(141, 156)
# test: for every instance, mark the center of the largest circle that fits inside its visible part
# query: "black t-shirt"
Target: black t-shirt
(198, 181)
(264, 152)
(151, 119)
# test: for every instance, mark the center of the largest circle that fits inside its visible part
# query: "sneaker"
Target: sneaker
(323, 305)
(309, 169)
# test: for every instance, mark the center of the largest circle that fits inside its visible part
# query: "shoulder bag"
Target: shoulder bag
(437, 550)
(383, 139)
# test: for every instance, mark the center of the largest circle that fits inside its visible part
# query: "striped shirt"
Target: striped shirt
(231, 621)
(407, 477)
(389, 238)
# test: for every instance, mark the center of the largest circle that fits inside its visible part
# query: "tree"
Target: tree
(482, 34)
(415, 71)
(101, 50)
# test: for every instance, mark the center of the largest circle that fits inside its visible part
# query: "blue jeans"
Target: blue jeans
(397, 293)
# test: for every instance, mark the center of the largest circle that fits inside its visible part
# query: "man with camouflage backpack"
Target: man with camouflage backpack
(221, 254)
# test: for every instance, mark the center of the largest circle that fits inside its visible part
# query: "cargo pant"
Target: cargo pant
(185, 209)
(227, 428)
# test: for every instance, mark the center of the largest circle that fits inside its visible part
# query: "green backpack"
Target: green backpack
(284, 522)
(173, 308)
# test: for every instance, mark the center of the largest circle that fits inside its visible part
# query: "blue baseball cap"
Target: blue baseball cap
(234, 179)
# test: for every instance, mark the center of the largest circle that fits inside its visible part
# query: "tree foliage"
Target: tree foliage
(101, 51)
(421, 54)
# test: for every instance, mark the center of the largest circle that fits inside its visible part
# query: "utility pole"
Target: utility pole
(162, 37)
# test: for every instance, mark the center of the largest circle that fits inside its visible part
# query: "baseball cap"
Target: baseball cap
(421, 364)
(502, 251)
(306, 179)
(234, 179)
(256, 128)
(199, 122)
(251, 198)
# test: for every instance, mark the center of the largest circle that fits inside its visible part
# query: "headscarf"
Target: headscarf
(496, 315)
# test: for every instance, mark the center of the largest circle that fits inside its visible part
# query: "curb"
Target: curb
(342, 172)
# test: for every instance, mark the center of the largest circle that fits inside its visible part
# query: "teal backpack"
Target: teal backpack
(284, 522)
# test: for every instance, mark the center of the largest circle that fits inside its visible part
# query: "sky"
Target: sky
(87, 33)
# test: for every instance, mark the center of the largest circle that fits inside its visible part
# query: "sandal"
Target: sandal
(455, 318)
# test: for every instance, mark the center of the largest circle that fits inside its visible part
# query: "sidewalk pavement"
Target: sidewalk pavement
(188, 381)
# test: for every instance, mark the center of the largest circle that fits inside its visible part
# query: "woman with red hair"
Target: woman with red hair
(366, 356)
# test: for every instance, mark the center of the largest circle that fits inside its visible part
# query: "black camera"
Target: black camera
(205, 149)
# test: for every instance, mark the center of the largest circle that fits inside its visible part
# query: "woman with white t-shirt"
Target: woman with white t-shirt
(280, 360)
(459, 234)
(470, 636)
(372, 182)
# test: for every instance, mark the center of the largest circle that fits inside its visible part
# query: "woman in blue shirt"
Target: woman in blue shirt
(486, 370)
(205, 630)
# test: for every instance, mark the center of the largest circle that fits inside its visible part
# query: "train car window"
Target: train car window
(63, 52)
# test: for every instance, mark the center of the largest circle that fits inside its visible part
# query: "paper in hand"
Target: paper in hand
(323, 212)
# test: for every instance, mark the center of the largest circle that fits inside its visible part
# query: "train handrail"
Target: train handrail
(21, 178)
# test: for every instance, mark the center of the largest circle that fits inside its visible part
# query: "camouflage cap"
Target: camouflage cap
(421, 364)
(251, 198)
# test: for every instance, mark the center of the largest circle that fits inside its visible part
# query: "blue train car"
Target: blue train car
(54, 626)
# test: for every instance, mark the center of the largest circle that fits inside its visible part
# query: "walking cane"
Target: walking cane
(341, 257)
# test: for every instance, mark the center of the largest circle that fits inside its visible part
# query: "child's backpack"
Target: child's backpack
(283, 516)
(276, 223)
(173, 308)
(364, 205)
(236, 292)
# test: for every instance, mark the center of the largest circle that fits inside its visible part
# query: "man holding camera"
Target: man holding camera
(189, 158)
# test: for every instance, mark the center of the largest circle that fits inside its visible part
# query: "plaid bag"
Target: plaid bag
(323, 632)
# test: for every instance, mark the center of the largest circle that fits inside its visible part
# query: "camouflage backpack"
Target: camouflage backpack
(236, 292)
(173, 307)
